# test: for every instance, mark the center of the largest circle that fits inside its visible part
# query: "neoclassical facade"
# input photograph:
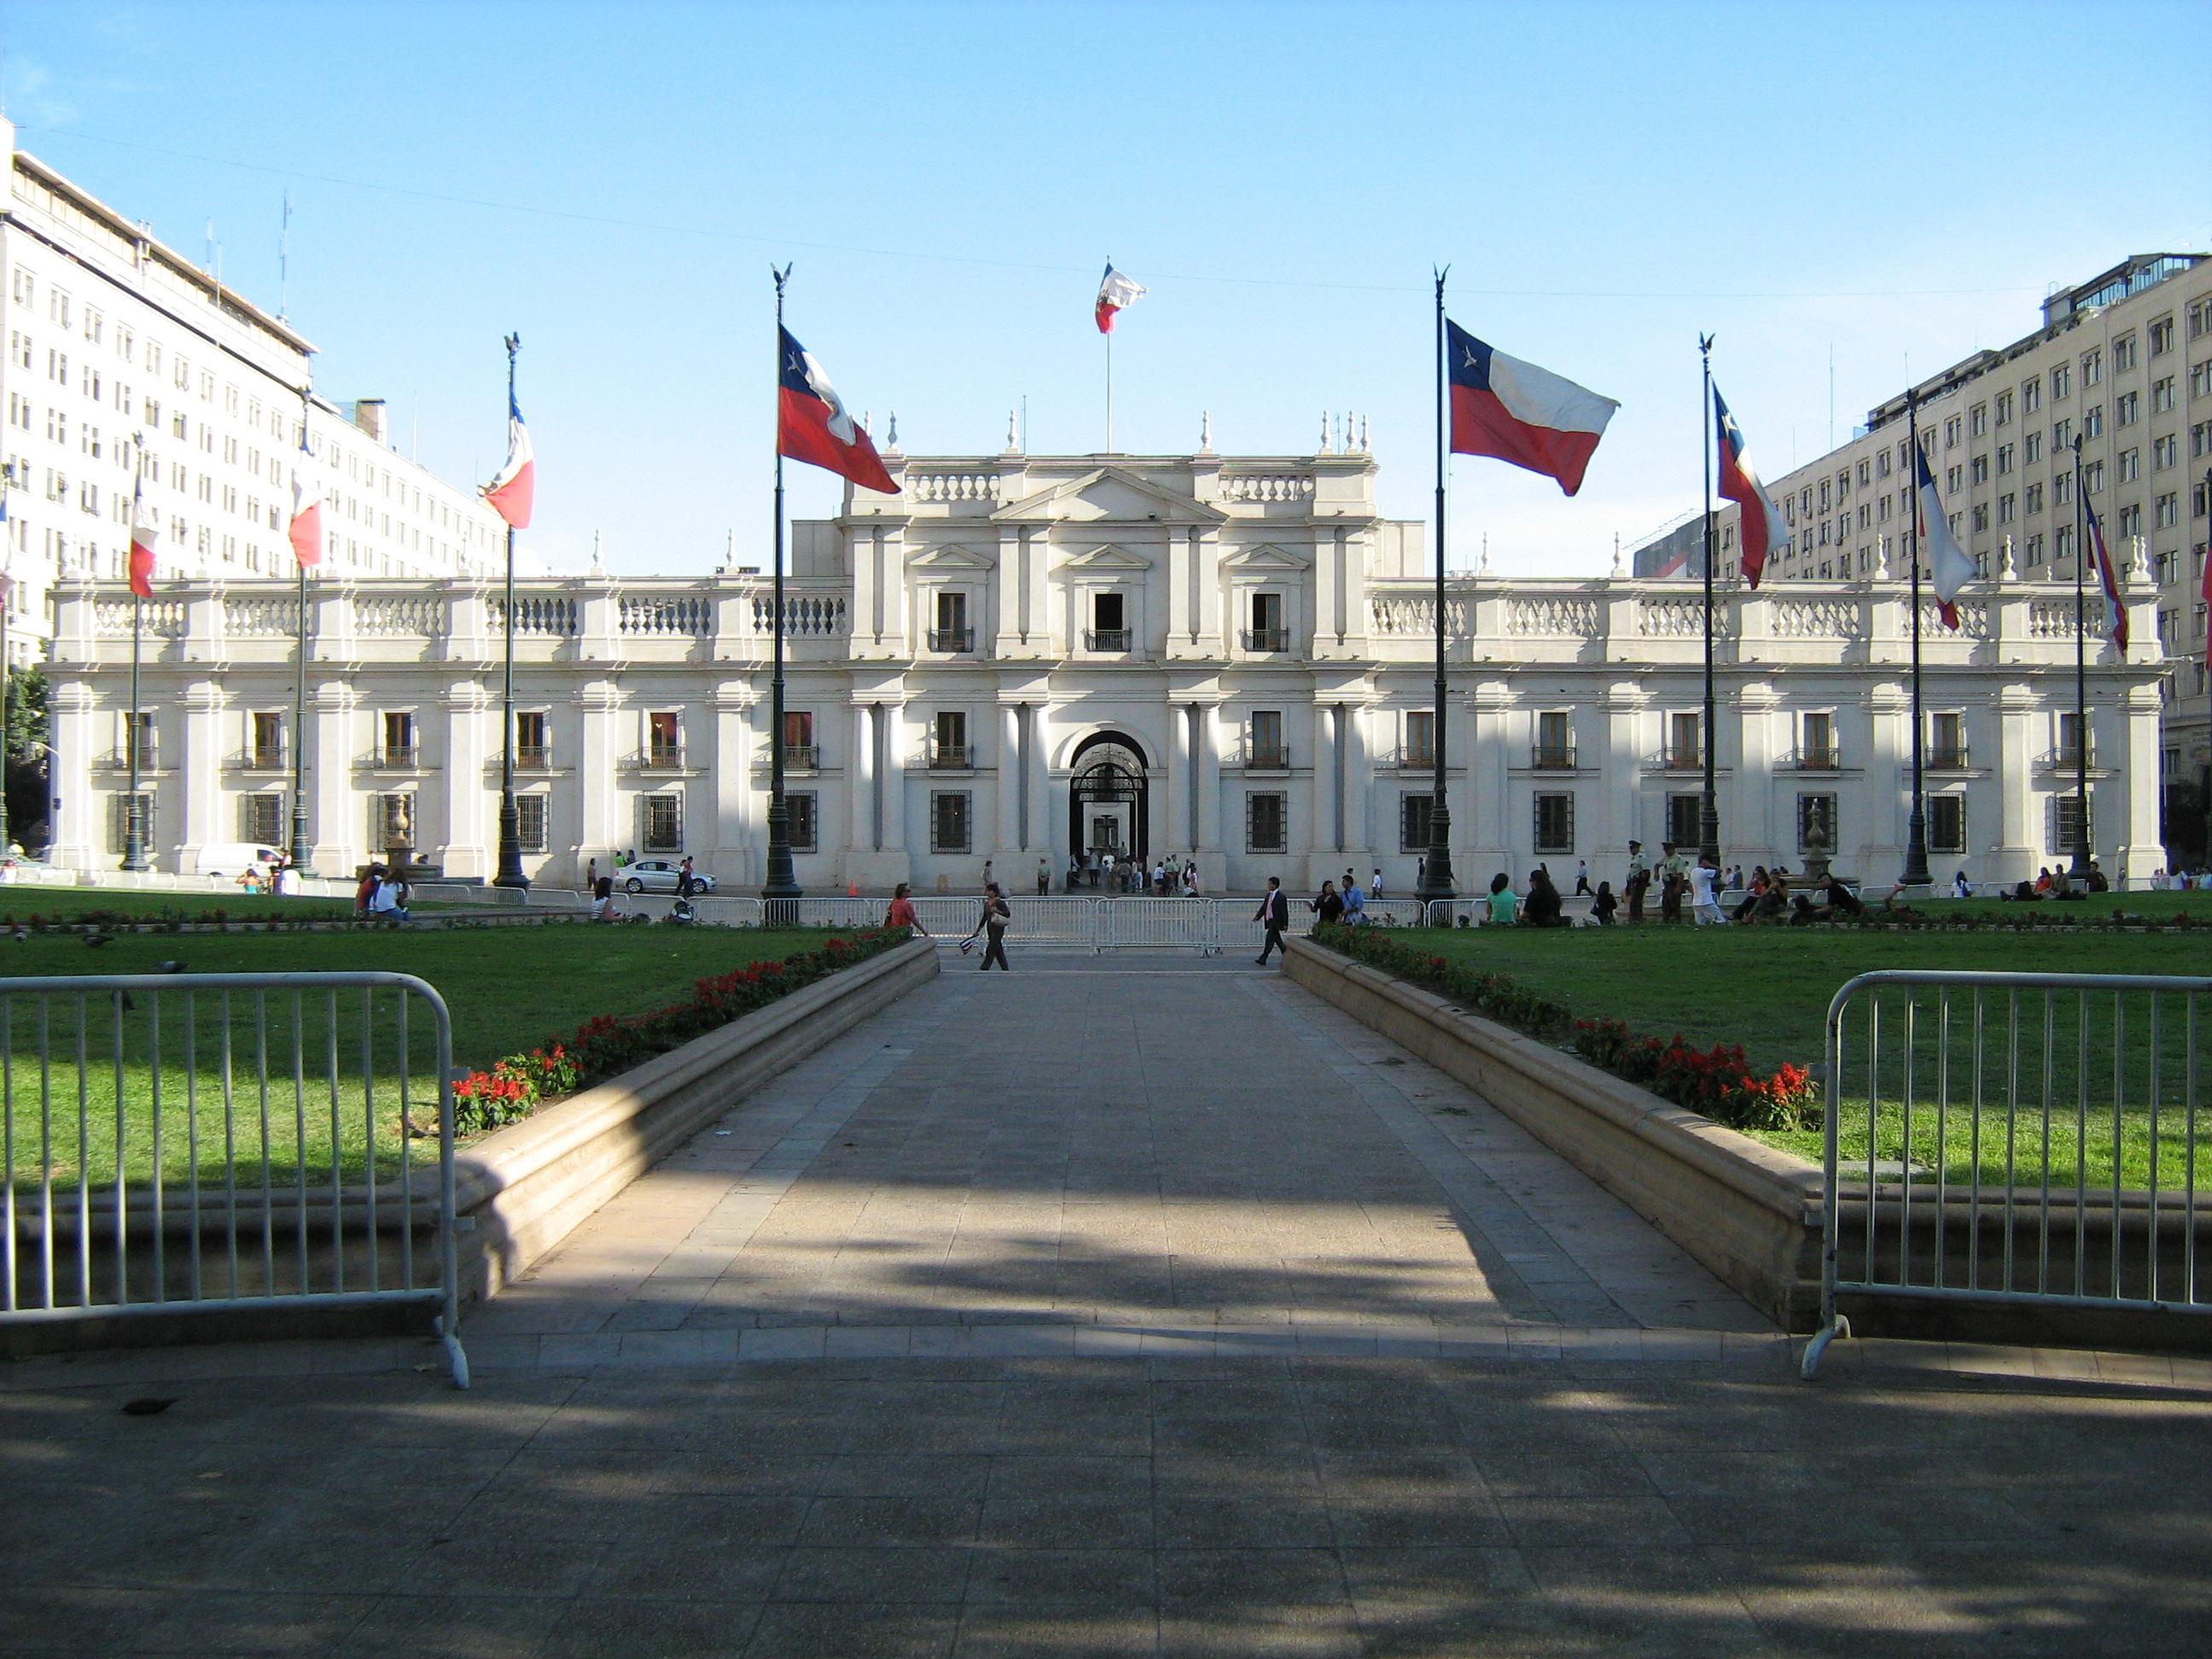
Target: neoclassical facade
(1017, 657)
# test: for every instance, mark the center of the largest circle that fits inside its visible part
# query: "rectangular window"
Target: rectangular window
(533, 746)
(140, 742)
(1555, 743)
(1109, 626)
(1267, 749)
(948, 822)
(398, 739)
(1682, 747)
(530, 821)
(1816, 810)
(1946, 823)
(2123, 352)
(261, 820)
(664, 738)
(798, 812)
(664, 824)
(2092, 368)
(1816, 741)
(1947, 741)
(1266, 823)
(799, 738)
(392, 821)
(1685, 814)
(265, 743)
(951, 633)
(2031, 394)
(2060, 817)
(1555, 823)
(948, 739)
(1415, 815)
(1420, 738)
(118, 824)
(1268, 632)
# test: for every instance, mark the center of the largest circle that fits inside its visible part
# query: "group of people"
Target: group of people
(1169, 878)
(1347, 904)
(2049, 884)
(2163, 880)
(278, 875)
(381, 896)
(991, 922)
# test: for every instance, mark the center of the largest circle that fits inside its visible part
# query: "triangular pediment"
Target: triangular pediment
(1265, 557)
(1107, 557)
(950, 558)
(1108, 494)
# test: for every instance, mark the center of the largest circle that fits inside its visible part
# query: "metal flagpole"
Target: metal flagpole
(782, 880)
(1915, 832)
(510, 820)
(302, 860)
(1436, 868)
(1110, 390)
(2080, 868)
(134, 812)
(6, 666)
(1708, 815)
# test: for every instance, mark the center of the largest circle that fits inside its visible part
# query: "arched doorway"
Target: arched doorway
(1108, 798)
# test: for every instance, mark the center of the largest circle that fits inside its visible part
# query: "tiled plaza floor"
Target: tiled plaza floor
(1110, 1308)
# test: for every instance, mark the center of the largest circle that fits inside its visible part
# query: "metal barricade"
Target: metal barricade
(824, 912)
(206, 1144)
(2022, 1141)
(1161, 923)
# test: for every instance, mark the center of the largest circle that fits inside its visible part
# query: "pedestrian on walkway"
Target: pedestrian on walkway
(1355, 902)
(1639, 878)
(1044, 878)
(992, 924)
(684, 880)
(900, 914)
(1704, 900)
(986, 875)
(591, 874)
(1375, 885)
(1274, 915)
(1582, 878)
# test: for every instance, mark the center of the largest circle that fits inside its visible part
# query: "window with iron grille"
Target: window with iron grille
(119, 807)
(392, 821)
(261, 818)
(2060, 816)
(1820, 809)
(530, 821)
(664, 824)
(798, 816)
(1267, 823)
(1416, 816)
(949, 820)
(1555, 823)
(1946, 823)
(1683, 812)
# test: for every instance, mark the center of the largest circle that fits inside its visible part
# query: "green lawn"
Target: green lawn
(67, 905)
(508, 989)
(1768, 988)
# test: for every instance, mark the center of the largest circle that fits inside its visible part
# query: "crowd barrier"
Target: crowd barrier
(2025, 1141)
(199, 1146)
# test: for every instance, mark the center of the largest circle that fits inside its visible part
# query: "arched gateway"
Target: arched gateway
(1107, 796)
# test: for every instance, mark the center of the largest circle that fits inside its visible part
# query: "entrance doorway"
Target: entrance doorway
(1107, 797)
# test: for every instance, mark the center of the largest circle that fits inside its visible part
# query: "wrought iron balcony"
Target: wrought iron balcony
(1273, 758)
(1952, 758)
(952, 638)
(118, 760)
(1675, 758)
(659, 758)
(393, 757)
(1818, 757)
(802, 758)
(951, 756)
(1266, 639)
(269, 758)
(533, 758)
(1552, 757)
(1422, 759)
(2068, 757)
(1106, 639)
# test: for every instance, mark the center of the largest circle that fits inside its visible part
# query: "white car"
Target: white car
(660, 876)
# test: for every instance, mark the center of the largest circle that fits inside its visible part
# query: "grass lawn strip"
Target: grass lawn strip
(508, 991)
(1768, 989)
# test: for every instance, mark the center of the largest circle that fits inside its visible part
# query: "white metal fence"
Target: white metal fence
(2028, 1141)
(198, 1144)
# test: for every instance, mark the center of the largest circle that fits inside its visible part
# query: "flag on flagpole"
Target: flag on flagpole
(1116, 293)
(1516, 412)
(813, 425)
(1760, 526)
(307, 532)
(509, 493)
(143, 535)
(2116, 608)
(1947, 563)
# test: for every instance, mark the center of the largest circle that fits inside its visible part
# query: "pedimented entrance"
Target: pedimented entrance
(1107, 796)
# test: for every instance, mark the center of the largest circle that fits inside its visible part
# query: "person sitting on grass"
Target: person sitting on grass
(1840, 899)
(2096, 881)
(1542, 909)
(1603, 905)
(603, 901)
(388, 903)
(1503, 901)
(2043, 882)
(1960, 887)
(1752, 893)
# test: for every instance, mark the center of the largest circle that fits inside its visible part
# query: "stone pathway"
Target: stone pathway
(1121, 1308)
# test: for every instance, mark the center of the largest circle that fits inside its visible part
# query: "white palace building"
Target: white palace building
(1019, 656)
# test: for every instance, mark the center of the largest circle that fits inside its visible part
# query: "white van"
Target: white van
(232, 857)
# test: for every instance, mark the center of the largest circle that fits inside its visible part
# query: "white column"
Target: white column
(1326, 780)
(1213, 841)
(894, 794)
(1359, 761)
(462, 750)
(192, 806)
(2007, 748)
(77, 825)
(606, 734)
(1007, 791)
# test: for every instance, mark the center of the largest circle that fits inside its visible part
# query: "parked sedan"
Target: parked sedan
(660, 876)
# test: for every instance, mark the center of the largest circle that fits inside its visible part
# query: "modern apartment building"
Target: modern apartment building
(129, 368)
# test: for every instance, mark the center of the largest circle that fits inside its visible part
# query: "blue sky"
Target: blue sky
(1604, 181)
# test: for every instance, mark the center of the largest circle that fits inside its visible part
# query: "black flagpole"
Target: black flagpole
(1916, 833)
(782, 880)
(134, 809)
(1708, 815)
(1436, 868)
(510, 823)
(2080, 870)
(302, 860)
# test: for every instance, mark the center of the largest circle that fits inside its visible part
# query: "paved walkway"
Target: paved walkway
(1120, 1307)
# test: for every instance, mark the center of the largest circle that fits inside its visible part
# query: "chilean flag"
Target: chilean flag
(1515, 411)
(509, 494)
(1116, 293)
(2116, 608)
(1947, 563)
(1759, 521)
(143, 538)
(306, 531)
(812, 424)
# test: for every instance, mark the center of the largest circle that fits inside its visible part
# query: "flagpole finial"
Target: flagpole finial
(513, 343)
(781, 277)
(1705, 344)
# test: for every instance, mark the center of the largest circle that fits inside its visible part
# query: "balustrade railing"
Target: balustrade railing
(1266, 639)
(952, 639)
(1106, 639)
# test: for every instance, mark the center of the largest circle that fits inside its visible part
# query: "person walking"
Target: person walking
(986, 875)
(1375, 885)
(684, 881)
(901, 913)
(1639, 878)
(1274, 915)
(1704, 900)
(992, 924)
(591, 874)
(1582, 878)
(1044, 878)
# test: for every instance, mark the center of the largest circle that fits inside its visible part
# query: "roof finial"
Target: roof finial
(1013, 436)
(1323, 448)
(1364, 449)
(2007, 571)
(598, 568)
(890, 437)
(1206, 432)
(1484, 569)
(1617, 571)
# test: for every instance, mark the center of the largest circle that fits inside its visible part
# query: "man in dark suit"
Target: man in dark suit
(1274, 913)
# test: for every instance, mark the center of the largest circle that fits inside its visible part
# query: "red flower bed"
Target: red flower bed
(608, 1044)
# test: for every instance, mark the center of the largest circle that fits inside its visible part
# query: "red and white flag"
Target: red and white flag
(510, 492)
(307, 532)
(144, 535)
(1116, 293)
